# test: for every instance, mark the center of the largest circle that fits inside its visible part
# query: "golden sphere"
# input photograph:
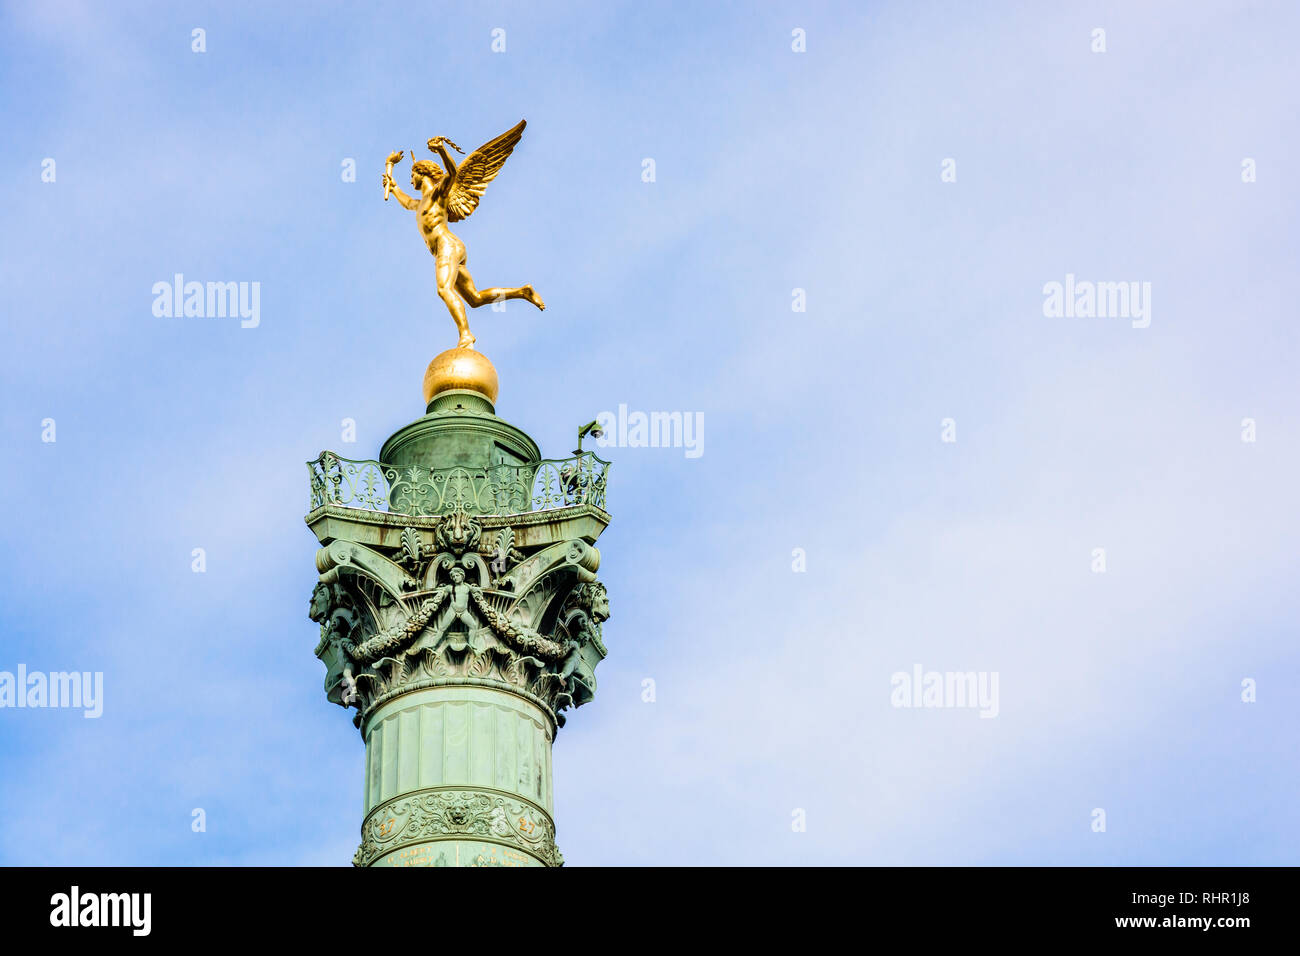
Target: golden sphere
(461, 368)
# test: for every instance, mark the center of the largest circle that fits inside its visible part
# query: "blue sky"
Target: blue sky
(775, 171)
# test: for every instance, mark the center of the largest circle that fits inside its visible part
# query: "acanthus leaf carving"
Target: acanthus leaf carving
(542, 640)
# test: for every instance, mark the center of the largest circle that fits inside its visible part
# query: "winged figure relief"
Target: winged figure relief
(450, 195)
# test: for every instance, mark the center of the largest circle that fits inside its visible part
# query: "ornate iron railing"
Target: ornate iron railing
(494, 490)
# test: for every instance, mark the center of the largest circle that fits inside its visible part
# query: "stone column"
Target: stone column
(460, 618)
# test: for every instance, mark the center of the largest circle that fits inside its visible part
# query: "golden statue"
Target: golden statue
(453, 196)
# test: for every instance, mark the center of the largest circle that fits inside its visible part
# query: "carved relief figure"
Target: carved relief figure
(328, 608)
(457, 608)
(585, 610)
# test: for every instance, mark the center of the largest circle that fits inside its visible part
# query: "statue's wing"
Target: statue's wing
(480, 168)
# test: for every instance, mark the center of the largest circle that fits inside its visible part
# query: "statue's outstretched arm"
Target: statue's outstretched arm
(406, 201)
(439, 145)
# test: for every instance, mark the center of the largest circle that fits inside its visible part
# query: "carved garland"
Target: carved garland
(398, 636)
(522, 639)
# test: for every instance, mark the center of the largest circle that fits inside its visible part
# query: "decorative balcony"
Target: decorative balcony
(494, 490)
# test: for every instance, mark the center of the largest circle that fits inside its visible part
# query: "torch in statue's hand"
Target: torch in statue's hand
(388, 173)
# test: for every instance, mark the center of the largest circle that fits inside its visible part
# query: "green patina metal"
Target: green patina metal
(497, 489)
(459, 429)
(460, 618)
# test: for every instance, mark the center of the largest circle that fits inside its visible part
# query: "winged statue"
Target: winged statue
(450, 196)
